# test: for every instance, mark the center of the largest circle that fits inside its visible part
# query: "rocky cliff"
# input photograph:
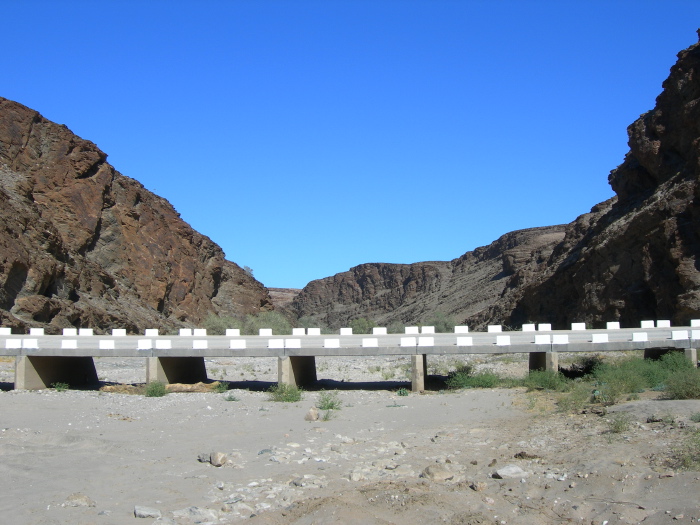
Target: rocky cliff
(410, 293)
(633, 257)
(83, 246)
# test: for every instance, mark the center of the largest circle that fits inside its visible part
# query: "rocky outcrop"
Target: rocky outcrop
(633, 257)
(412, 293)
(82, 245)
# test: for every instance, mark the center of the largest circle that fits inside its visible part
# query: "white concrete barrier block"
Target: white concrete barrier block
(695, 323)
(144, 344)
(5, 331)
(30, 343)
(151, 332)
(663, 323)
(292, 343)
(346, 331)
(560, 339)
(464, 341)
(370, 342)
(86, 332)
(185, 332)
(529, 328)
(639, 337)
(70, 332)
(599, 338)
(200, 344)
(544, 327)
(408, 341)
(233, 332)
(379, 330)
(695, 334)
(331, 343)
(613, 325)
(106, 344)
(578, 326)
(313, 331)
(265, 332)
(543, 339)
(36, 331)
(678, 335)
(69, 343)
(461, 329)
(118, 332)
(426, 341)
(275, 343)
(298, 331)
(13, 343)
(493, 328)
(163, 344)
(427, 329)
(502, 340)
(237, 344)
(411, 330)
(199, 332)
(647, 324)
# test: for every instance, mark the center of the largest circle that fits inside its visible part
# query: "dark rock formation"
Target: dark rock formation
(633, 257)
(82, 245)
(412, 293)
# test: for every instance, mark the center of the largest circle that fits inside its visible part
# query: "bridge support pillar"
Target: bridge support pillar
(544, 361)
(37, 372)
(692, 355)
(419, 365)
(296, 370)
(176, 370)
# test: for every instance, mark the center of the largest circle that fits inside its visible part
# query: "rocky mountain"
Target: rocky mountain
(635, 256)
(411, 293)
(83, 246)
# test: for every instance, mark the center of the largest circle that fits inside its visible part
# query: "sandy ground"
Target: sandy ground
(88, 457)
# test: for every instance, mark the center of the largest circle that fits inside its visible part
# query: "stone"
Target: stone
(438, 472)
(510, 472)
(196, 514)
(218, 459)
(78, 500)
(312, 414)
(146, 512)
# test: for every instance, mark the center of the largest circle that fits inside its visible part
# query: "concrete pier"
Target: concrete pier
(419, 366)
(548, 361)
(176, 370)
(296, 370)
(38, 372)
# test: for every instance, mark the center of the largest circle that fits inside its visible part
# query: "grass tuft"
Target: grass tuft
(284, 393)
(328, 401)
(155, 389)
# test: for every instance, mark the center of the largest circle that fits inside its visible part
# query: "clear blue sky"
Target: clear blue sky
(306, 137)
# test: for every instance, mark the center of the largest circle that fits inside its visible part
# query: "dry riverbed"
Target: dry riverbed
(479, 456)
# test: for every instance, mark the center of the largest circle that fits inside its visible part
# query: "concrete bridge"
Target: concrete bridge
(42, 360)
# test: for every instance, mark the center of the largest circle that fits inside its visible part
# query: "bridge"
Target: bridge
(41, 360)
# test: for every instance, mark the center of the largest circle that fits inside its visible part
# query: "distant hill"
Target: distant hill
(83, 246)
(635, 256)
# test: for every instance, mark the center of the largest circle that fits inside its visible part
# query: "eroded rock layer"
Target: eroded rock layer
(83, 246)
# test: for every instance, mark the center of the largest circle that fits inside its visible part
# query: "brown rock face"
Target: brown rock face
(411, 293)
(634, 257)
(82, 245)
(639, 259)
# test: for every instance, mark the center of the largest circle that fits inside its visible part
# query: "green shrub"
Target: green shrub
(684, 384)
(687, 456)
(328, 401)
(695, 418)
(282, 392)
(403, 392)
(395, 327)
(443, 324)
(60, 387)
(275, 320)
(546, 380)
(216, 325)
(155, 389)
(576, 398)
(362, 325)
(221, 387)
(619, 423)
(480, 380)
(231, 397)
